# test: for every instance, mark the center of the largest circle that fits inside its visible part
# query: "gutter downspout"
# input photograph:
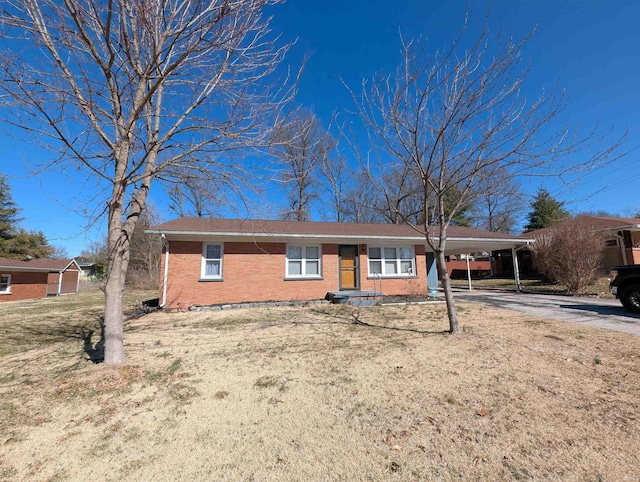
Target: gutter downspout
(59, 282)
(166, 271)
(468, 273)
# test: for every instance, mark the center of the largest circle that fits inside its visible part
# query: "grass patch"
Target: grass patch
(534, 285)
(319, 393)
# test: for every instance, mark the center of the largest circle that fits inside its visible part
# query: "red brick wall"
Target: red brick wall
(25, 285)
(461, 265)
(256, 272)
(396, 286)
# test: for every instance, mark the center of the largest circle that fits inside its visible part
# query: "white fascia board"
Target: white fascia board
(630, 227)
(20, 268)
(354, 239)
(516, 241)
(73, 261)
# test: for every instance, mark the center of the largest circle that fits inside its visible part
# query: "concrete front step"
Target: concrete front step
(357, 302)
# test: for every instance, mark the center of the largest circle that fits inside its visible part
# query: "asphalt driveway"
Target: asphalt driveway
(597, 312)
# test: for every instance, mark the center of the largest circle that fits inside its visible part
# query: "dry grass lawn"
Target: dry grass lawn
(316, 393)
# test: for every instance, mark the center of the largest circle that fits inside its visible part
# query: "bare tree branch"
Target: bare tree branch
(137, 90)
(447, 123)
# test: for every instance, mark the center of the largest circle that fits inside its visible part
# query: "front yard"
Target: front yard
(315, 393)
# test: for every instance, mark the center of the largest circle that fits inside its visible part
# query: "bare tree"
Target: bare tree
(570, 252)
(59, 252)
(336, 176)
(361, 201)
(303, 147)
(451, 118)
(194, 193)
(500, 204)
(146, 251)
(134, 90)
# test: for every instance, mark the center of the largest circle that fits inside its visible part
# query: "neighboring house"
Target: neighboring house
(88, 269)
(38, 278)
(219, 261)
(622, 239)
(476, 265)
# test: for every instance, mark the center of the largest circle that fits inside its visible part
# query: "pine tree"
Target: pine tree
(15, 242)
(8, 210)
(545, 211)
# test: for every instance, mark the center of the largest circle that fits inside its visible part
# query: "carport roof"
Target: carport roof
(459, 239)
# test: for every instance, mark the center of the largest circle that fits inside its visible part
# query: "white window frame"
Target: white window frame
(398, 262)
(203, 267)
(7, 290)
(303, 261)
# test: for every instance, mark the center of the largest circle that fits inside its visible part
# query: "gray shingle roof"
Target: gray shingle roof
(602, 223)
(193, 225)
(41, 264)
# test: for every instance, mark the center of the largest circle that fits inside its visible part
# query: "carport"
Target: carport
(463, 245)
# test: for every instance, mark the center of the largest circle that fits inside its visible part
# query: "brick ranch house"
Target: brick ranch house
(38, 278)
(220, 261)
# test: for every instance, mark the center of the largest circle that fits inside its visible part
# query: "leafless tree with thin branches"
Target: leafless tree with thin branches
(570, 252)
(304, 148)
(454, 117)
(137, 90)
(500, 204)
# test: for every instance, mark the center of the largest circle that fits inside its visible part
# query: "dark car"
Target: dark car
(625, 285)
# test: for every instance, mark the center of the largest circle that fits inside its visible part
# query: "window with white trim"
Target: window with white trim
(304, 261)
(392, 261)
(211, 261)
(5, 283)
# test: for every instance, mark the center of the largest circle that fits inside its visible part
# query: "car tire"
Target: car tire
(630, 298)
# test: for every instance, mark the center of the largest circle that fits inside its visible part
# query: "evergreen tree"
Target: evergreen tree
(545, 211)
(15, 242)
(26, 245)
(8, 210)
(462, 216)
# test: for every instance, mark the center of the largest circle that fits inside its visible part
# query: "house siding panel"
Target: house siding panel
(254, 272)
(25, 285)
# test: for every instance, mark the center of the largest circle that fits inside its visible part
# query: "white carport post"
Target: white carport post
(469, 273)
(516, 271)
(59, 282)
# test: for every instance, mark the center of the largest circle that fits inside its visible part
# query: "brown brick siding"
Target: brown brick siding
(256, 272)
(25, 286)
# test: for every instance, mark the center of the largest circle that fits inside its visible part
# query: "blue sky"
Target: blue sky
(589, 48)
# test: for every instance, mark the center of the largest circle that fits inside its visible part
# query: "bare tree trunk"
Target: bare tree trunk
(113, 321)
(112, 84)
(118, 243)
(454, 325)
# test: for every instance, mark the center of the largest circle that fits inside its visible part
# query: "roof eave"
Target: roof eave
(628, 227)
(27, 268)
(330, 237)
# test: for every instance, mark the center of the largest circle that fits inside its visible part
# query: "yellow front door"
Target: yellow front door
(348, 267)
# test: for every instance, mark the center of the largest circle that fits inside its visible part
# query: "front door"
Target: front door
(349, 269)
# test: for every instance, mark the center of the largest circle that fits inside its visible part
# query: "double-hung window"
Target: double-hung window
(5, 284)
(304, 261)
(392, 261)
(211, 261)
